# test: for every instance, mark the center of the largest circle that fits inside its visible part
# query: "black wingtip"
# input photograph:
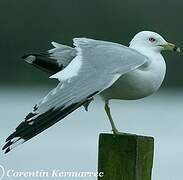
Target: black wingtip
(29, 58)
(4, 147)
(10, 137)
(9, 143)
(7, 150)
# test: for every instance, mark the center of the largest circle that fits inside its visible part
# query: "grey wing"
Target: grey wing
(97, 66)
(52, 61)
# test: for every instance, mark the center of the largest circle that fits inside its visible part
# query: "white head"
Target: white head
(151, 41)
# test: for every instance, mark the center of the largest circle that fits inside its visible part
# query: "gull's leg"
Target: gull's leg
(107, 110)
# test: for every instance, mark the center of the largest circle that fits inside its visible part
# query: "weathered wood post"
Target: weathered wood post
(125, 157)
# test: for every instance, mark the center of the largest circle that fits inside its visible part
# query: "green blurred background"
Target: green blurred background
(29, 26)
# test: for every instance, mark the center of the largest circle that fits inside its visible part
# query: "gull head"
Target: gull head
(148, 40)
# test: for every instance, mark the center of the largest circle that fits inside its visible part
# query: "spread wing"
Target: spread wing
(97, 66)
(54, 60)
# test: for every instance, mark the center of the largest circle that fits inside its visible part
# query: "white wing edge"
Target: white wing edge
(73, 68)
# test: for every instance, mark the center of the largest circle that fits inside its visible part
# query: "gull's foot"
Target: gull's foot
(116, 132)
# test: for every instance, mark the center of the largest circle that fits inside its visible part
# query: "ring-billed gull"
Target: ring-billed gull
(92, 68)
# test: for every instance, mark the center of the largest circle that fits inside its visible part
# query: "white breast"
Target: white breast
(139, 83)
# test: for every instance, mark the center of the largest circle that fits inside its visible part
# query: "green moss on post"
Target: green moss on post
(125, 157)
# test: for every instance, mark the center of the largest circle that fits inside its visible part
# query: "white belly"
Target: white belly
(137, 84)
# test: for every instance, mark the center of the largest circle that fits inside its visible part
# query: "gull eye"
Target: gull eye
(151, 39)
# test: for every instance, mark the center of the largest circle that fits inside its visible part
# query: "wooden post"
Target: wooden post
(125, 157)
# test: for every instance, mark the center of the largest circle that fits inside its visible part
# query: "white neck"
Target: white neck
(148, 52)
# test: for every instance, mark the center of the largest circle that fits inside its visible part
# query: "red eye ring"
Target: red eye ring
(151, 39)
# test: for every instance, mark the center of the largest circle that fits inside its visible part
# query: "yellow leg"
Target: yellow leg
(108, 112)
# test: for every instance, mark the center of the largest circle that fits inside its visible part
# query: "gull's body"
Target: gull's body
(92, 68)
(139, 83)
